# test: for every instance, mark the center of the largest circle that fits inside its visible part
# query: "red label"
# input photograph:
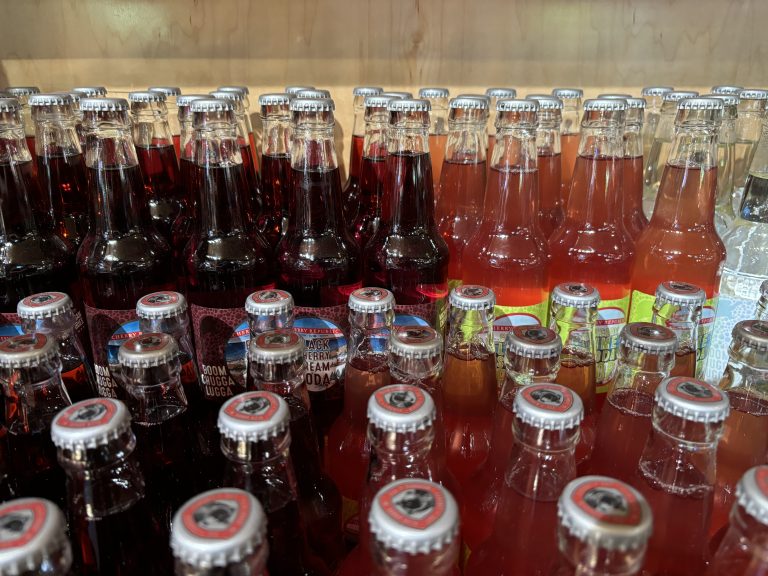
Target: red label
(88, 414)
(695, 390)
(548, 397)
(108, 329)
(253, 406)
(610, 502)
(20, 523)
(402, 399)
(416, 504)
(217, 516)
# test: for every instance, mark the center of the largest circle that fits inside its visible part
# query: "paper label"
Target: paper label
(507, 318)
(611, 319)
(433, 313)
(325, 334)
(108, 329)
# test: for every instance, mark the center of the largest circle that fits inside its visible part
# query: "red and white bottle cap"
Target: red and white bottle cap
(254, 416)
(692, 399)
(548, 406)
(90, 423)
(401, 408)
(33, 538)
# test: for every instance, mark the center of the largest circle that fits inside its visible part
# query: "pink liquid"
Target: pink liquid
(551, 212)
(632, 197)
(437, 144)
(569, 144)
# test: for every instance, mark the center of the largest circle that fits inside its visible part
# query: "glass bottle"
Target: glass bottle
(245, 120)
(275, 165)
(494, 95)
(646, 357)
(725, 213)
(549, 163)
(542, 463)
(407, 255)
(654, 97)
(269, 310)
(438, 129)
(112, 527)
(293, 90)
(569, 134)
(761, 310)
(22, 95)
(679, 306)
(749, 126)
(676, 473)
(171, 94)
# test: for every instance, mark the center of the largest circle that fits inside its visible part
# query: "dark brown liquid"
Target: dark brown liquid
(33, 469)
(275, 182)
(351, 191)
(162, 185)
(63, 177)
(372, 182)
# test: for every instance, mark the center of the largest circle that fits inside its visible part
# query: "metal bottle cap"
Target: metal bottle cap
(568, 93)
(548, 406)
(293, 90)
(22, 90)
(605, 105)
(692, 399)
(606, 513)
(414, 516)
(656, 90)
(401, 408)
(614, 95)
(752, 493)
(254, 416)
(187, 99)
(217, 528)
(533, 342)
(647, 337)
(727, 90)
(278, 346)
(90, 91)
(75, 97)
(434, 92)
(378, 101)
(367, 90)
(700, 104)
(371, 300)
(417, 342)
(300, 104)
(501, 93)
(518, 105)
(275, 99)
(103, 104)
(44, 305)
(753, 94)
(26, 350)
(232, 95)
(547, 102)
(576, 295)
(397, 94)
(632, 103)
(164, 304)
(752, 333)
(729, 100)
(680, 294)
(469, 103)
(148, 350)
(240, 89)
(314, 93)
(270, 302)
(9, 105)
(167, 90)
(472, 297)
(52, 99)
(90, 423)
(210, 104)
(409, 105)
(677, 95)
(146, 96)
(33, 534)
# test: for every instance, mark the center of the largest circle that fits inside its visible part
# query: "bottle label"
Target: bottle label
(221, 335)
(433, 313)
(10, 325)
(109, 329)
(325, 334)
(611, 319)
(507, 318)
(730, 311)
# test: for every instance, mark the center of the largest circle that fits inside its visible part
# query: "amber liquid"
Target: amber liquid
(162, 186)
(275, 181)
(551, 212)
(569, 144)
(437, 144)
(351, 191)
(372, 182)
(632, 197)
(63, 177)
(685, 363)
(578, 374)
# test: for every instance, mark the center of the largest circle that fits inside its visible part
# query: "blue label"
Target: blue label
(236, 352)
(326, 352)
(126, 331)
(9, 331)
(409, 320)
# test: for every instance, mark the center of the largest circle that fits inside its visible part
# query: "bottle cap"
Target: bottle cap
(568, 93)
(90, 423)
(164, 304)
(472, 297)
(269, 302)
(415, 342)
(52, 99)
(501, 93)
(483, 97)
(32, 534)
(692, 399)
(466, 102)
(548, 406)
(44, 305)
(656, 90)
(9, 105)
(414, 516)
(378, 101)
(254, 416)
(651, 338)
(90, 91)
(700, 104)
(401, 408)
(293, 90)
(615, 95)
(547, 102)
(148, 350)
(409, 105)
(753, 94)
(231, 95)
(727, 90)
(278, 346)
(26, 350)
(240, 89)
(605, 105)
(275, 99)
(146, 96)
(367, 90)
(576, 295)
(397, 94)
(211, 105)
(217, 528)
(632, 103)
(91, 104)
(604, 512)
(75, 97)
(533, 342)
(371, 300)
(752, 493)
(314, 94)
(300, 104)
(518, 105)
(187, 99)
(434, 92)
(729, 100)
(752, 333)
(680, 294)
(17, 91)
(167, 90)
(677, 95)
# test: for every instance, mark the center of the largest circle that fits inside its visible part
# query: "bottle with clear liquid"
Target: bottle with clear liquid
(438, 129)
(549, 163)
(654, 97)
(725, 213)
(22, 94)
(171, 94)
(679, 306)
(569, 134)
(494, 95)
(275, 165)
(749, 129)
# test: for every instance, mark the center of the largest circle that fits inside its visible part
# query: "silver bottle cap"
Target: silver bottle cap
(90, 423)
(568, 93)
(270, 302)
(605, 105)
(254, 416)
(501, 93)
(650, 338)
(401, 408)
(187, 99)
(164, 304)
(146, 96)
(371, 300)
(17, 91)
(548, 406)
(240, 89)
(103, 104)
(409, 105)
(26, 350)
(547, 102)
(90, 91)
(434, 92)
(378, 101)
(277, 346)
(632, 103)
(367, 90)
(605, 513)
(700, 104)
(44, 305)
(414, 516)
(148, 350)
(314, 93)
(727, 90)
(693, 400)
(729, 100)
(33, 534)
(677, 95)
(753, 94)
(232, 95)
(52, 99)
(275, 99)
(518, 105)
(680, 294)
(75, 97)
(576, 295)
(472, 297)
(167, 90)
(533, 342)
(752, 493)
(210, 104)
(293, 90)
(469, 103)
(9, 105)
(656, 90)
(397, 94)
(752, 333)
(419, 342)
(300, 104)
(621, 96)
(218, 528)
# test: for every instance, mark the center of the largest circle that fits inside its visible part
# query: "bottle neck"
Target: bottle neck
(399, 454)
(576, 328)
(470, 330)
(682, 320)
(259, 324)
(276, 134)
(548, 136)
(754, 205)
(313, 148)
(467, 142)
(390, 562)
(61, 326)
(749, 125)
(253, 564)
(633, 139)
(369, 334)
(284, 379)
(33, 396)
(747, 370)
(522, 371)
(154, 395)
(420, 372)
(571, 115)
(150, 125)
(641, 372)
(375, 141)
(56, 134)
(589, 559)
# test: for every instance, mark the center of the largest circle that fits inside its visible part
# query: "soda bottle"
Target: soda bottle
(22, 95)
(745, 435)
(593, 244)
(604, 528)
(646, 356)
(171, 94)
(293, 90)
(749, 127)
(30, 377)
(269, 310)
(77, 115)
(122, 257)
(725, 213)
(494, 95)
(255, 440)
(371, 312)
(459, 208)
(678, 306)
(415, 527)
(157, 159)
(676, 473)
(681, 241)
(654, 97)
(278, 363)
(35, 540)
(60, 164)
(35, 258)
(569, 134)
(532, 357)
(245, 92)
(53, 314)
(542, 462)
(313, 94)
(351, 190)
(727, 90)
(221, 531)
(438, 129)
(373, 170)
(275, 165)
(318, 261)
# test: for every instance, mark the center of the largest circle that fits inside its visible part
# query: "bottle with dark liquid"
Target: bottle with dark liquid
(646, 356)
(112, 527)
(277, 363)
(122, 257)
(678, 306)
(60, 164)
(570, 135)
(751, 114)
(371, 312)
(269, 310)
(653, 99)
(275, 165)
(77, 117)
(157, 160)
(246, 120)
(255, 439)
(494, 95)
(438, 129)
(549, 163)
(318, 261)
(171, 94)
(22, 94)
(222, 531)
(407, 255)
(52, 313)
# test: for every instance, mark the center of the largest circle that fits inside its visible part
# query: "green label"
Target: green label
(506, 318)
(611, 319)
